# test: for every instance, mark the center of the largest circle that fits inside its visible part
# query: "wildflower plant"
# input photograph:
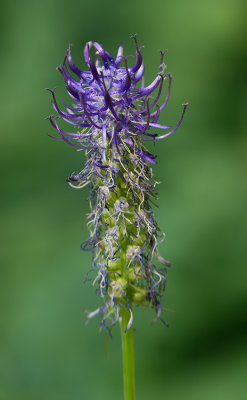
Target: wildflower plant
(111, 115)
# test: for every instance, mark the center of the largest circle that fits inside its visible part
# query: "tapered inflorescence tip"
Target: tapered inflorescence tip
(111, 114)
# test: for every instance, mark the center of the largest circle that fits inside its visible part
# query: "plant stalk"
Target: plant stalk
(128, 357)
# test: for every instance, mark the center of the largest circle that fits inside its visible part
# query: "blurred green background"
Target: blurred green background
(47, 352)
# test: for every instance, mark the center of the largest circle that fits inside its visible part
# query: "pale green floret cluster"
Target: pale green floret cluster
(124, 236)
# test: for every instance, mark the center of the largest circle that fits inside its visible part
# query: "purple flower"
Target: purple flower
(108, 106)
(111, 114)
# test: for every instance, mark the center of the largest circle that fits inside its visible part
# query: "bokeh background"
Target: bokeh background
(47, 352)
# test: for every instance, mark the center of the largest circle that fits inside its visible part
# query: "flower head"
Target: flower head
(111, 114)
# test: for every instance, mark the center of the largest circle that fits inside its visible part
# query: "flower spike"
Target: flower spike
(112, 114)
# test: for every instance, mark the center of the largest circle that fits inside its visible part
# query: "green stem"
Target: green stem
(128, 357)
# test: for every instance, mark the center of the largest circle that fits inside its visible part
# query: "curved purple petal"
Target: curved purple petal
(120, 55)
(174, 129)
(138, 62)
(72, 66)
(149, 89)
